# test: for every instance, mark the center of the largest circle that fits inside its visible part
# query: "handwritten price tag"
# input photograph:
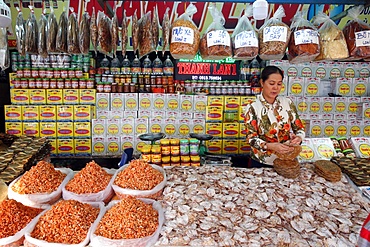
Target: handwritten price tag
(246, 39)
(218, 37)
(362, 38)
(306, 36)
(182, 35)
(275, 33)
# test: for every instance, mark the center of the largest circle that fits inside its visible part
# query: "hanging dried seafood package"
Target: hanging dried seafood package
(185, 35)
(357, 34)
(72, 37)
(273, 37)
(215, 42)
(104, 33)
(145, 35)
(135, 32)
(4, 49)
(304, 43)
(114, 33)
(244, 38)
(333, 44)
(20, 32)
(124, 34)
(61, 42)
(166, 29)
(42, 40)
(52, 32)
(155, 27)
(84, 39)
(94, 31)
(31, 33)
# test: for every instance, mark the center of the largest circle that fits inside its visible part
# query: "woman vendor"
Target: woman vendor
(272, 122)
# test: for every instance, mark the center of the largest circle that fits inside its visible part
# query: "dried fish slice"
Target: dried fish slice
(155, 28)
(94, 30)
(135, 32)
(84, 39)
(124, 34)
(114, 33)
(166, 27)
(104, 33)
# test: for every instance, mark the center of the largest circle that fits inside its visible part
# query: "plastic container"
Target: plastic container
(184, 147)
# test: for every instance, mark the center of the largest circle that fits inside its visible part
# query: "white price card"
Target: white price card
(306, 36)
(275, 33)
(218, 37)
(182, 35)
(246, 39)
(362, 38)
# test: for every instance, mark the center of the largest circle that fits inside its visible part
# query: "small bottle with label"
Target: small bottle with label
(168, 67)
(135, 66)
(157, 66)
(146, 153)
(184, 147)
(126, 66)
(156, 155)
(147, 66)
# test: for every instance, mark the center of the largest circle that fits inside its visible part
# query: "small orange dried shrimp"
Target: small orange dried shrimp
(41, 178)
(128, 219)
(139, 175)
(91, 179)
(67, 222)
(14, 216)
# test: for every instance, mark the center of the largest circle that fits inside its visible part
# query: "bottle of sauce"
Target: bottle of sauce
(254, 68)
(147, 66)
(126, 66)
(135, 66)
(168, 67)
(244, 70)
(115, 66)
(157, 66)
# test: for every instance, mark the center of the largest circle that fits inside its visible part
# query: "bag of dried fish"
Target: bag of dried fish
(61, 40)
(39, 186)
(244, 38)
(94, 31)
(155, 27)
(139, 179)
(84, 40)
(166, 29)
(135, 32)
(124, 225)
(357, 32)
(145, 35)
(104, 33)
(52, 32)
(43, 30)
(215, 43)
(185, 35)
(72, 37)
(4, 50)
(31, 33)
(304, 43)
(333, 44)
(114, 33)
(274, 37)
(124, 34)
(92, 184)
(20, 33)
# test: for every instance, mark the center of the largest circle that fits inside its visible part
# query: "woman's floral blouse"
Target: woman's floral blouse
(270, 123)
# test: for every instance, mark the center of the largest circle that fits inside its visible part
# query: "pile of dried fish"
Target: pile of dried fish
(328, 170)
(213, 206)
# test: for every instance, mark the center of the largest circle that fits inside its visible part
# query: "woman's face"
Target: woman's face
(272, 87)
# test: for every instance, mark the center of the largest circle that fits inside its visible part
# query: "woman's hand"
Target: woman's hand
(278, 147)
(295, 140)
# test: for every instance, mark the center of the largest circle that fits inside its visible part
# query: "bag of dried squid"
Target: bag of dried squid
(32, 31)
(146, 45)
(73, 36)
(84, 28)
(42, 40)
(20, 33)
(104, 33)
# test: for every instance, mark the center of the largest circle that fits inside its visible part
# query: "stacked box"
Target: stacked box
(101, 114)
(160, 114)
(82, 147)
(103, 101)
(341, 86)
(314, 105)
(13, 113)
(145, 114)
(127, 127)
(99, 146)
(82, 113)
(172, 102)
(361, 146)
(71, 96)
(53, 147)
(131, 102)
(113, 145)
(82, 130)
(360, 87)
(117, 102)
(214, 129)
(316, 128)
(156, 125)
(146, 101)
(308, 153)
(19, 96)
(186, 103)
(183, 127)
(113, 127)
(215, 100)
(214, 146)
(159, 102)
(214, 114)
(37, 96)
(65, 113)
(65, 147)
(341, 105)
(324, 148)
(170, 127)
(328, 105)
(200, 103)
(48, 129)
(54, 96)
(296, 86)
(302, 104)
(354, 127)
(14, 128)
(341, 127)
(116, 114)
(130, 114)
(231, 130)
(366, 128)
(127, 142)
(30, 113)
(141, 126)
(65, 130)
(48, 113)
(87, 96)
(230, 146)
(99, 128)
(198, 126)
(329, 128)
(312, 87)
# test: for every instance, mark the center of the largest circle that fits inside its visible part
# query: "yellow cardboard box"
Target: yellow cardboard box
(244, 147)
(87, 96)
(37, 96)
(82, 130)
(214, 114)
(65, 113)
(71, 96)
(82, 147)
(214, 146)
(14, 128)
(230, 146)
(54, 146)
(245, 100)
(54, 96)
(231, 130)
(116, 102)
(214, 129)
(215, 101)
(48, 113)
(48, 129)
(82, 113)
(30, 113)
(64, 130)
(65, 147)
(232, 103)
(19, 96)
(13, 113)
(31, 129)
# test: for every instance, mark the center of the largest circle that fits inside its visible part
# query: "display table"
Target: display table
(225, 206)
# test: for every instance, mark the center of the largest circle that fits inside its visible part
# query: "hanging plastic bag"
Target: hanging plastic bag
(215, 42)
(166, 29)
(155, 27)
(52, 32)
(357, 34)
(94, 31)
(4, 49)
(72, 38)
(61, 41)
(104, 33)
(84, 40)
(274, 37)
(31, 33)
(114, 33)
(20, 33)
(145, 35)
(43, 30)
(245, 38)
(185, 35)
(333, 44)
(304, 43)
(124, 34)
(135, 32)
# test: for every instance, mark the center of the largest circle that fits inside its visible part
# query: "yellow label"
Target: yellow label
(367, 113)
(155, 128)
(327, 107)
(365, 149)
(82, 146)
(292, 72)
(125, 145)
(307, 153)
(48, 113)
(102, 103)
(186, 105)
(82, 129)
(65, 129)
(19, 96)
(131, 104)
(316, 130)
(117, 103)
(283, 88)
(82, 112)
(65, 113)
(113, 147)
(200, 106)
(54, 96)
(98, 129)
(13, 128)
(325, 151)
(141, 129)
(127, 129)
(184, 129)
(360, 90)
(355, 130)
(13, 113)
(342, 130)
(312, 89)
(320, 72)
(344, 89)
(349, 73)
(140, 145)
(159, 103)
(169, 129)
(113, 129)
(335, 73)
(173, 104)
(65, 146)
(145, 103)
(367, 130)
(48, 129)
(71, 96)
(306, 72)
(315, 107)
(37, 96)
(302, 106)
(98, 147)
(198, 129)
(296, 88)
(87, 96)
(329, 130)
(340, 107)
(352, 107)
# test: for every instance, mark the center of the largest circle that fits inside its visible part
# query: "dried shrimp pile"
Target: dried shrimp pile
(217, 206)
(91, 179)
(41, 178)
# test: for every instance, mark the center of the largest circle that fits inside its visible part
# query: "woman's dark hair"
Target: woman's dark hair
(271, 70)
